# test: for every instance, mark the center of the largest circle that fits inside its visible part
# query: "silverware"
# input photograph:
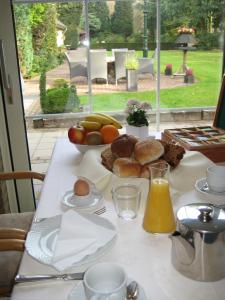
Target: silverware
(97, 212)
(132, 290)
(100, 211)
(32, 278)
(205, 188)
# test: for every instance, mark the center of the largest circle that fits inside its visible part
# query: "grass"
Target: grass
(207, 71)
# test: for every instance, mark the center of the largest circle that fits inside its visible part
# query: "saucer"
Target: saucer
(201, 185)
(78, 292)
(80, 203)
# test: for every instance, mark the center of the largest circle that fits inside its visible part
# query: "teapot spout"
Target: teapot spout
(182, 249)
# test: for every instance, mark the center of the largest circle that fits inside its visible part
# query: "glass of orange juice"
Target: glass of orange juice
(159, 216)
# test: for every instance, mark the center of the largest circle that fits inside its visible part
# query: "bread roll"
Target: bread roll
(148, 150)
(123, 146)
(126, 167)
(108, 158)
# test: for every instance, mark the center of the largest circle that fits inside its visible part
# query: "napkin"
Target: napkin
(192, 167)
(91, 168)
(77, 238)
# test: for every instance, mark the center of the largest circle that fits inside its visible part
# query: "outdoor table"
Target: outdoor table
(144, 256)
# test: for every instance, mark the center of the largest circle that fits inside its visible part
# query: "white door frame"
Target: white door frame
(13, 137)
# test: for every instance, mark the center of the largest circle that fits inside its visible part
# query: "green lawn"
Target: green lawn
(207, 70)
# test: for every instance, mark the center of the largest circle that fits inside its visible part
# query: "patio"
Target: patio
(146, 82)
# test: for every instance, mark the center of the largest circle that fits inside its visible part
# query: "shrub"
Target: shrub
(60, 99)
(208, 41)
(131, 64)
(60, 83)
(73, 103)
(55, 100)
(42, 88)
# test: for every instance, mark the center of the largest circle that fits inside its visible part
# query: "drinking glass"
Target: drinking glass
(159, 216)
(126, 198)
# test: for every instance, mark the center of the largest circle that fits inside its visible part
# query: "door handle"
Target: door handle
(5, 77)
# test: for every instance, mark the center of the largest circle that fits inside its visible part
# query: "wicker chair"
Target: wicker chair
(13, 231)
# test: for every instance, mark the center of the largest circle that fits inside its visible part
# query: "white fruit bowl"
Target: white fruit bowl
(83, 148)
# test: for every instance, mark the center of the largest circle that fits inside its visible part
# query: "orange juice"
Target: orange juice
(159, 216)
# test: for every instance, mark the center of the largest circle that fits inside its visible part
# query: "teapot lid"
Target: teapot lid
(204, 217)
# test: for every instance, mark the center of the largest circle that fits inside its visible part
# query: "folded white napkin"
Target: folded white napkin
(77, 238)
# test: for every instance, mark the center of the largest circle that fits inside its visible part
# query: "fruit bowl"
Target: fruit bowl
(83, 148)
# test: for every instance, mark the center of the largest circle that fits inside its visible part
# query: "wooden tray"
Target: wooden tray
(209, 140)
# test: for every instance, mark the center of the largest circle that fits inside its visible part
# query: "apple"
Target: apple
(76, 134)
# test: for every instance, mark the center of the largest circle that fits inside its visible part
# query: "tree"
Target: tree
(24, 38)
(94, 24)
(70, 14)
(43, 20)
(122, 19)
(100, 9)
(204, 15)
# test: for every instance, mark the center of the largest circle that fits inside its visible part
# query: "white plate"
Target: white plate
(202, 186)
(41, 239)
(78, 293)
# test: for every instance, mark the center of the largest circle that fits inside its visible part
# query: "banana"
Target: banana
(113, 121)
(91, 125)
(98, 118)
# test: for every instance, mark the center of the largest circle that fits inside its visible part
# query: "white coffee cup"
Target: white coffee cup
(216, 178)
(105, 281)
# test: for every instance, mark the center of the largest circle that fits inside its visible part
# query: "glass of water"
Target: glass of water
(126, 198)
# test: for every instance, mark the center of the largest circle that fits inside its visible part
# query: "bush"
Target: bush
(60, 83)
(60, 99)
(55, 100)
(208, 41)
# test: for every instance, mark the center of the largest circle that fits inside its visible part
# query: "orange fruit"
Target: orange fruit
(109, 133)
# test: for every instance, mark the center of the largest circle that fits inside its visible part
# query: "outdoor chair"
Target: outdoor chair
(98, 64)
(146, 65)
(118, 49)
(13, 231)
(120, 61)
(77, 60)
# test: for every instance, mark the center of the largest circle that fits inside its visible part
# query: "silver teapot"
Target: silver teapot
(198, 245)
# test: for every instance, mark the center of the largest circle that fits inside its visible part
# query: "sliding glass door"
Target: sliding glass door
(13, 139)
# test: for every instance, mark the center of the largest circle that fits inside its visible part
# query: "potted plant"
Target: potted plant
(131, 66)
(137, 120)
(189, 76)
(168, 70)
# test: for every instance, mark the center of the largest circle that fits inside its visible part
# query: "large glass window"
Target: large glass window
(66, 68)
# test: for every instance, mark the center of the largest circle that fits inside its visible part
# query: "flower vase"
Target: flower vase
(140, 132)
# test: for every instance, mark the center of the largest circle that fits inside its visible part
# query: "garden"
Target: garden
(120, 24)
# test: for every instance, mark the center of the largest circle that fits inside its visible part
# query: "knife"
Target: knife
(31, 278)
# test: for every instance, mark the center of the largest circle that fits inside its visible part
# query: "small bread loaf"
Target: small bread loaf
(173, 154)
(145, 170)
(126, 167)
(108, 158)
(148, 150)
(123, 146)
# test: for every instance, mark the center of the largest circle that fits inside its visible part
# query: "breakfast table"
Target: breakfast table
(145, 257)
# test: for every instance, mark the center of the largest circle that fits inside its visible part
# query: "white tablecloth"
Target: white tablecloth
(145, 257)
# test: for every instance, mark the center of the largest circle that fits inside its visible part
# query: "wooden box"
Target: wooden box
(209, 140)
